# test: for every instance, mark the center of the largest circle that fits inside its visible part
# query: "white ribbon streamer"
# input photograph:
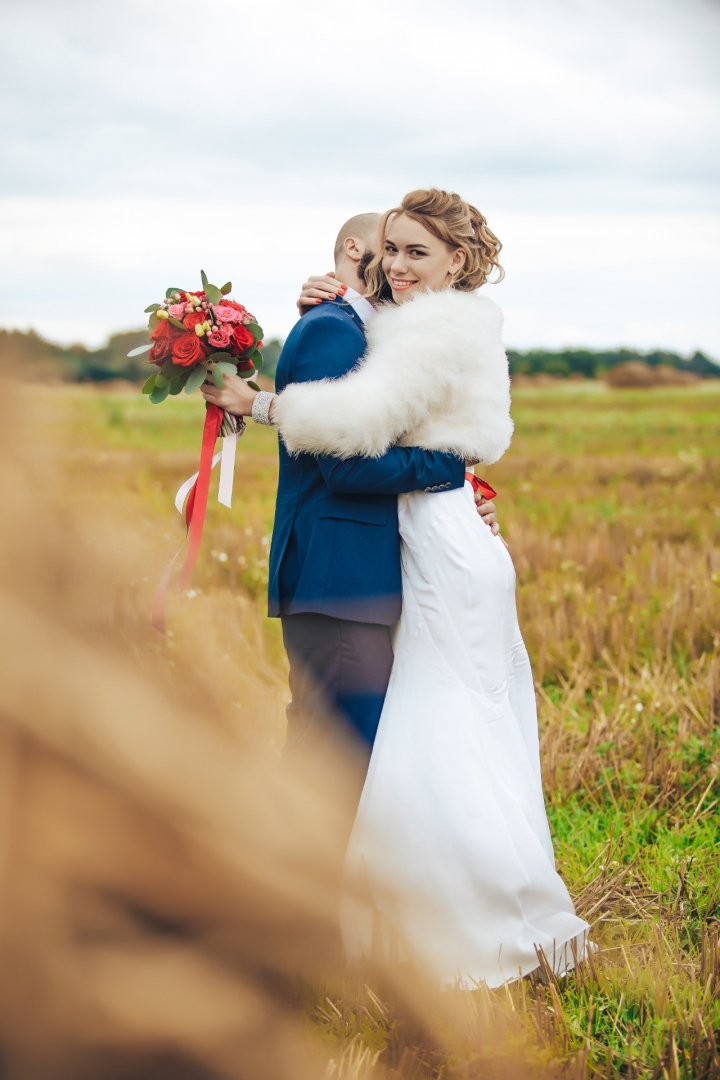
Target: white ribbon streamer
(185, 489)
(227, 469)
(226, 457)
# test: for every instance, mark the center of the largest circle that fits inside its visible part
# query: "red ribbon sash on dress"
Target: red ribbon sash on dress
(194, 516)
(480, 485)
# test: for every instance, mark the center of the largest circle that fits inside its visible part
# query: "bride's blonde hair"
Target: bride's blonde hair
(454, 221)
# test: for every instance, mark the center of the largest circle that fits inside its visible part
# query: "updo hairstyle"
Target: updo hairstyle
(457, 224)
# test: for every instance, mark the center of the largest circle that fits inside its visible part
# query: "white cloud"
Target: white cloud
(146, 138)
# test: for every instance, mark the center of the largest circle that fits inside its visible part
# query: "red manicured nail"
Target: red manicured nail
(332, 296)
(318, 301)
(342, 289)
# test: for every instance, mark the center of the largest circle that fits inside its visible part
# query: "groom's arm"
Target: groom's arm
(400, 469)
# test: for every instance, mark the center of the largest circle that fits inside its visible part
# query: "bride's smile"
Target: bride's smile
(414, 260)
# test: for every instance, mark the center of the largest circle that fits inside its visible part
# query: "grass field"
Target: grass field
(610, 502)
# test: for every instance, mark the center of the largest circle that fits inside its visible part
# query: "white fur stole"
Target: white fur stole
(435, 375)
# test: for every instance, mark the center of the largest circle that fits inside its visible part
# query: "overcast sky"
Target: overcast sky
(145, 139)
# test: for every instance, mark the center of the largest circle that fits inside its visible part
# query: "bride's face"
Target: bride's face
(414, 259)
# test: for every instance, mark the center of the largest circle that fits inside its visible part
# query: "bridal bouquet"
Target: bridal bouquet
(193, 335)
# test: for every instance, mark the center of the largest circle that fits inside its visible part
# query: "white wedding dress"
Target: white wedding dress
(450, 860)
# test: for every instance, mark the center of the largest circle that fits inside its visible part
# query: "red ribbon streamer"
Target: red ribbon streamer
(481, 485)
(194, 516)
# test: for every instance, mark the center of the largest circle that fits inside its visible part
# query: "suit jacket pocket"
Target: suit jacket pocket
(367, 511)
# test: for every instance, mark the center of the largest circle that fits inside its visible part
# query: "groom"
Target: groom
(335, 578)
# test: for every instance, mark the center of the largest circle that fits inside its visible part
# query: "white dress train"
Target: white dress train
(450, 860)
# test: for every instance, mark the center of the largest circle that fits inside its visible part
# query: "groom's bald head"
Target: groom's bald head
(362, 228)
(355, 246)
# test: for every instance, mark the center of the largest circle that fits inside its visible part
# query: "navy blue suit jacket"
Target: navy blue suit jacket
(336, 545)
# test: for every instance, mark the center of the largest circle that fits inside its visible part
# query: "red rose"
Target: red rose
(160, 352)
(242, 339)
(187, 350)
(191, 321)
(165, 331)
(163, 336)
(245, 365)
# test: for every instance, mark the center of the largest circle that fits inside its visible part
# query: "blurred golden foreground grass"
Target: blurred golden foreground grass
(610, 501)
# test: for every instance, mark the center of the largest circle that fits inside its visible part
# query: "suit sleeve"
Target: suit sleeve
(399, 470)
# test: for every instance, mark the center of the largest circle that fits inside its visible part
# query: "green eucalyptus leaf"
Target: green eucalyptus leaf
(256, 330)
(226, 288)
(172, 371)
(204, 279)
(213, 294)
(140, 350)
(159, 394)
(153, 321)
(176, 322)
(257, 360)
(171, 292)
(246, 374)
(149, 384)
(217, 356)
(175, 385)
(217, 377)
(197, 378)
(226, 367)
(161, 381)
(253, 386)
(152, 307)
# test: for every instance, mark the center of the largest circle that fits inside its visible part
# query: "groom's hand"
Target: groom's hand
(235, 397)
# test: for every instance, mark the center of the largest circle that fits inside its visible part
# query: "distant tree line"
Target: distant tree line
(41, 359)
(593, 365)
(75, 363)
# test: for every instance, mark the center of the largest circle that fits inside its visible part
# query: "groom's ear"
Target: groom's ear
(354, 248)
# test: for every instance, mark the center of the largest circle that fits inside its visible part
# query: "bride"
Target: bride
(450, 859)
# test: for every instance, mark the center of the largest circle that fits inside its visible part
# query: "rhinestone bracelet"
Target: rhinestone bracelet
(261, 407)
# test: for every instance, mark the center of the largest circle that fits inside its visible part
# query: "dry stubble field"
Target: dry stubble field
(610, 501)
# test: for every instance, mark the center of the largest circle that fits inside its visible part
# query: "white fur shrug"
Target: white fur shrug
(435, 375)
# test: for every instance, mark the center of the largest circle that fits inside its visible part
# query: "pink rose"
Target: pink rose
(176, 311)
(226, 313)
(219, 338)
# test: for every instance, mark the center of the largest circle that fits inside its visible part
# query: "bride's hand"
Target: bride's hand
(487, 512)
(317, 288)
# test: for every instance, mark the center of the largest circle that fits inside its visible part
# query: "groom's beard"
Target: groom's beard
(366, 259)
